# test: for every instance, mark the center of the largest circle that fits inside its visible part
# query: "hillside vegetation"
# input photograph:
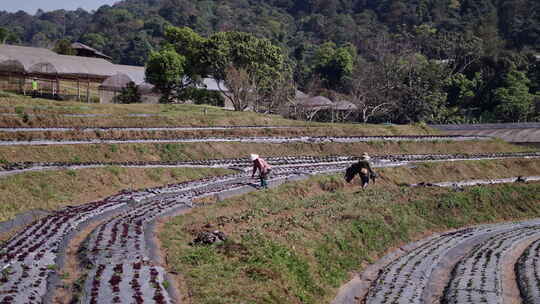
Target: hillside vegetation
(129, 29)
(423, 60)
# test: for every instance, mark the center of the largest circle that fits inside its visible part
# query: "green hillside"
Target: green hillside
(472, 60)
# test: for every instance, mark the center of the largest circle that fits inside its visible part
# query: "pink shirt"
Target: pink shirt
(261, 165)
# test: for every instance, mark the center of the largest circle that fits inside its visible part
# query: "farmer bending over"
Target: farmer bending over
(263, 167)
(362, 168)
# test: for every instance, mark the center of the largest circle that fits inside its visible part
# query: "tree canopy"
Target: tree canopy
(324, 40)
(189, 57)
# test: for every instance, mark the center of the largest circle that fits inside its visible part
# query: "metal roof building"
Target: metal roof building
(40, 60)
(86, 51)
(82, 78)
(19, 64)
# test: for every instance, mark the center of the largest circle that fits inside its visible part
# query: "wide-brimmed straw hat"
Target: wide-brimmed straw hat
(365, 156)
(253, 156)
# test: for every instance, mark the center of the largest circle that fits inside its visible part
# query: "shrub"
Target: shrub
(129, 94)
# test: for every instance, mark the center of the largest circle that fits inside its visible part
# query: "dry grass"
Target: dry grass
(51, 190)
(46, 113)
(474, 169)
(298, 243)
(197, 151)
(345, 130)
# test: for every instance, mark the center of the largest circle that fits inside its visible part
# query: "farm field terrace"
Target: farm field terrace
(216, 150)
(300, 242)
(51, 190)
(29, 112)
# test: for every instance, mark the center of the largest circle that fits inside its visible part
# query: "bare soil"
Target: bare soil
(72, 270)
(510, 289)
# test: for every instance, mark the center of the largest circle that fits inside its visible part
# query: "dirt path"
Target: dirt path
(72, 271)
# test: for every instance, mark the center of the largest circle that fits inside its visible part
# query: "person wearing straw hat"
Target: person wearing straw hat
(363, 169)
(262, 166)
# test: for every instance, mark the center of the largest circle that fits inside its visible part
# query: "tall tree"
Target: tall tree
(191, 45)
(263, 61)
(369, 92)
(63, 47)
(515, 102)
(334, 64)
(241, 88)
(165, 70)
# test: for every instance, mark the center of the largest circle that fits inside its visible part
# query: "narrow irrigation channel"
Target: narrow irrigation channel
(258, 139)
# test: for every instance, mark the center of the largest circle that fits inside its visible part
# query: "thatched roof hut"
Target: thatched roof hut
(299, 95)
(315, 102)
(344, 105)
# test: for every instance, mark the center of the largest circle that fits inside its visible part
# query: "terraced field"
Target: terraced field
(123, 261)
(119, 251)
(482, 264)
(267, 139)
(240, 163)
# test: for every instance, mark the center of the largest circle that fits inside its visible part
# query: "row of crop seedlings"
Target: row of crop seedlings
(405, 278)
(528, 274)
(477, 277)
(234, 162)
(121, 268)
(276, 161)
(121, 272)
(27, 260)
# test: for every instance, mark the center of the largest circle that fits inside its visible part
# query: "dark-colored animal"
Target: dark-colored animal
(351, 172)
(359, 168)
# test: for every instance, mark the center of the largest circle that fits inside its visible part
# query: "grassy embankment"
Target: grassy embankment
(186, 115)
(194, 115)
(329, 130)
(298, 243)
(47, 113)
(50, 190)
(198, 151)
